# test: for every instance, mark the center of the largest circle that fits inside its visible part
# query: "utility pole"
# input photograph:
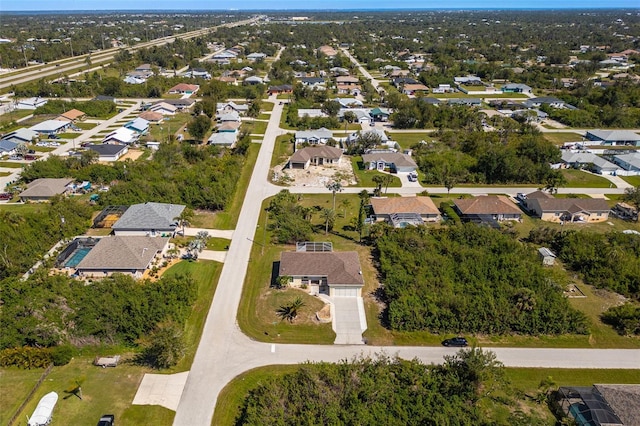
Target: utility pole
(71, 46)
(26, 63)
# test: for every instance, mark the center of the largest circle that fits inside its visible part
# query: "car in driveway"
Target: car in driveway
(459, 342)
(107, 420)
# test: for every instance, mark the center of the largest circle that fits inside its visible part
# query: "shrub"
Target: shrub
(61, 355)
(448, 210)
(26, 357)
(624, 318)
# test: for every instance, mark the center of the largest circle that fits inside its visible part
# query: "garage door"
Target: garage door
(345, 292)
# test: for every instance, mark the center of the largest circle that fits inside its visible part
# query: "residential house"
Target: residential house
(45, 189)
(601, 405)
(487, 209)
(121, 136)
(349, 102)
(380, 114)
(164, 108)
(443, 88)
(108, 152)
(198, 73)
(347, 80)
(72, 116)
(184, 89)
(282, 89)
(311, 113)
(379, 133)
(257, 56)
(403, 211)
(347, 89)
(138, 125)
(183, 105)
(336, 274)
(398, 82)
(546, 100)
(413, 89)
(223, 139)
(629, 162)
(228, 127)
(471, 102)
(253, 80)
(313, 82)
(50, 127)
(430, 101)
(583, 159)
(336, 71)
(134, 79)
(31, 103)
(21, 135)
(548, 208)
(227, 79)
(392, 161)
(318, 155)
(228, 116)
(362, 115)
(470, 80)
(313, 137)
(150, 219)
(516, 88)
(228, 107)
(130, 255)
(152, 117)
(8, 147)
(399, 73)
(613, 137)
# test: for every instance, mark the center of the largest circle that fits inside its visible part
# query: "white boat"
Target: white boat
(42, 414)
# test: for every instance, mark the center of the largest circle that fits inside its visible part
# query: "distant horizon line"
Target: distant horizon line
(374, 9)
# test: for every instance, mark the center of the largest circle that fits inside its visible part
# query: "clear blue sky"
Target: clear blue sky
(149, 5)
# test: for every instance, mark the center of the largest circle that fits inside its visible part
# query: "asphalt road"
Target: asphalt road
(225, 352)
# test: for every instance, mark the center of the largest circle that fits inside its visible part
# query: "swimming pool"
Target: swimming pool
(77, 257)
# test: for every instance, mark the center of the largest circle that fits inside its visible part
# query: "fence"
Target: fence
(28, 398)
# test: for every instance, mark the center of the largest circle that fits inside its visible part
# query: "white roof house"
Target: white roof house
(613, 137)
(139, 125)
(50, 126)
(222, 139)
(321, 135)
(581, 158)
(164, 108)
(122, 136)
(31, 103)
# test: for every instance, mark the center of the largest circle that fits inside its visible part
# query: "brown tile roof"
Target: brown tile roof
(571, 205)
(419, 205)
(538, 195)
(121, 252)
(184, 87)
(322, 151)
(229, 125)
(339, 267)
(487, 204)
(151, 116)
(73, 114)
(347, 79)
(46, 187)
(415, 87)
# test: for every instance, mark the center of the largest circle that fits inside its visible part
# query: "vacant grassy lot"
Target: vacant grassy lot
(365, 177)
(408, 140)
(633, 180)
(581, 179)
(10, 165)
(170, 126)
(561, 138)
(282, 150)
(256, 127)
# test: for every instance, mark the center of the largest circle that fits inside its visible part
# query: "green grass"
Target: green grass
(10, 165)
(3, 174)
(15, 385)
(232, 395)
(256, 127)
(266, 106)
(580, 179)
(85, 126)
(170, 125)
(206, 274)
(264, 116)
(408, 140)
(147, 414)
(365, 177)
(70, 135)
(228, 219)
(282, 150)
(561, 138)
(9, 118)
(497, 95)
(218, 244)
(633, 180)
(23, 208)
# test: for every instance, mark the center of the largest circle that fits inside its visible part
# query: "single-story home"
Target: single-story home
(50, 127)
(8, 147)
(253, 80)
(380, 114)
(472, 102)
(516, 88)
(257, 56)
(44, 189)
(228, 116)
(228, 107)
(393, 161)
(443, 88)
(321, 135)
(312, 81)
(402, 211)
(183, 104)
(401, 81)
(73, 115)
(122, 136)
(545, 100)
(347, 80)
(228, 126)
(349, 102)
(471, 80)
(283, 88)
(151, 219)
(337, 274)
(164, 108)
(347, 89)
(138, 125)
(412, 89)
(31, 103)
(152, 117)
(318, 155)
(108, 151)
(225, 139)
(131, 255)
(21, 135)
(588, 159)
(363, 115)
(546, 207)
(611, 405)
(613, 137)
(487, 208)
(629, 162)
(184, 89)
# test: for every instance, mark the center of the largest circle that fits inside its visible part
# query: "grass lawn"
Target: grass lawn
(3, 174)
(23, 208)
(266, 106)
(282, 150)
(264, 116)
(85, 126)
(11, 165)
(407, 140)
(561, 138)
(633, 180)
(365, 177)
(15, 385)
(41, 148)
(170, 125)
(8, 118)
(580, 179)
(256, 127)
(228, 219)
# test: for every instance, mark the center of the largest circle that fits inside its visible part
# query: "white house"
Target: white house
(31, 103)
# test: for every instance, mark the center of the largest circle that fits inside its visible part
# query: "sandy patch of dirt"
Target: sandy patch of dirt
(315, 176)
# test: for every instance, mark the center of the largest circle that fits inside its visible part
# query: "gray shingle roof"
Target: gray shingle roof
(149, 216)
(615, 135)
(41, 188)
(117, 252)
(323, 151)
(338, 267)
(397, 158)
(107, 148)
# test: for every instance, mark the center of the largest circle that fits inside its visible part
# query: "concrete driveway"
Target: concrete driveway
(161, 389)
(349, 320)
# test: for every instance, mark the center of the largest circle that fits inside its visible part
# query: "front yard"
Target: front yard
(581, 179)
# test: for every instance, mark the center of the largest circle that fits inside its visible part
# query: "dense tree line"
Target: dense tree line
(49, 310)
(470, 279)
(101, 109)
(488, 157)
(415, 113)
(468, 389)
(200, 177)
(288, 220)
(26, 236)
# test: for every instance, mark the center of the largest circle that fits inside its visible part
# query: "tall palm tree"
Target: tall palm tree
(184, 218)
(334, 187)
(345, 204)
(329, 216)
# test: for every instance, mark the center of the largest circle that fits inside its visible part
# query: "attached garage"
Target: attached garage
(345, 291)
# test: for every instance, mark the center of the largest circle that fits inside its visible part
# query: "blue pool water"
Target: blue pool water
(77, 257)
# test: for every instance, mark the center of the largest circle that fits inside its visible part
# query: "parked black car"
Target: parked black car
(107, 420)
(456, 341)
